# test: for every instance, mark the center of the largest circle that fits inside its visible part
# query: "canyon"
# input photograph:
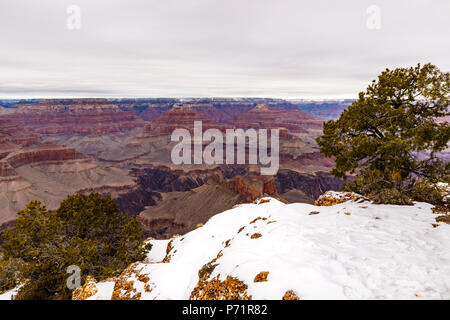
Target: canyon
(32, 168)
(51, 148)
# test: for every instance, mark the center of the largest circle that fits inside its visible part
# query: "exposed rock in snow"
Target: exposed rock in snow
(290, 295)
(349, 250)
(88, 290)
(331, 198)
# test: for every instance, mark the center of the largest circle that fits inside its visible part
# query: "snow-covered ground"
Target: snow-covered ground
(347, 251)
(9, 295)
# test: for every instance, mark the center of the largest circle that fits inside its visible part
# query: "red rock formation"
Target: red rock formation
(13, 134)
(74, 116)
(209, 111)
(153, 112)
(44, 152)
(307, 159)
(231, 109)
(6, 170)
(13, 138)
(179, 117)
(252, 188)
(263, 117)
(18, 148)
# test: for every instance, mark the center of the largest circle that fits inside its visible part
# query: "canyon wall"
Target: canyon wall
(51, 148)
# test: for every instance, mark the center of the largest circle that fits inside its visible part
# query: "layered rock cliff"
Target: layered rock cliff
(34, 170)
(263, 117)
(76, 117)
(179, 117)
(163, 196)
(180, 212)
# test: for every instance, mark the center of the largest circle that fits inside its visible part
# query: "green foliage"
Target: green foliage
(86, 230)
(206, 270)
(369, 180)
(10, 273)
(391, 196)
(389, 137)
(425, 192)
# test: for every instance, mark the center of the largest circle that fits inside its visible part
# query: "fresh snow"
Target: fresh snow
(445, 188)
(104, 292)
(346, 251)
(351, 250)
(9, 295)
(158, 251)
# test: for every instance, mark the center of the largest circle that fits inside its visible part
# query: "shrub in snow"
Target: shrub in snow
(426, 192)
(390, 196)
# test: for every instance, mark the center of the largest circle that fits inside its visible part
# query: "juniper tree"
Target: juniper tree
(86, 231)
(390, 136)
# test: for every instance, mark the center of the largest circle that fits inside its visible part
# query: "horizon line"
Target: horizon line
(177, 98)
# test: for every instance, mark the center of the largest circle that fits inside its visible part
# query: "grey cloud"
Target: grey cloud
(270, 48)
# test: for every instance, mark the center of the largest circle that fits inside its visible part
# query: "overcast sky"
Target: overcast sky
(192, 48)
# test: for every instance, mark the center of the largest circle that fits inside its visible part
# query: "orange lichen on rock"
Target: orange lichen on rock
(332, 198)
(229, 289)
(124, 287)
(258, 218)
(85, 291)
(144, 278)
(290, 295)
(261, 277)
(219, 255)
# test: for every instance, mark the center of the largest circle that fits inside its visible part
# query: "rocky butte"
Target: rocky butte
(54, 147)
(31, 169)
